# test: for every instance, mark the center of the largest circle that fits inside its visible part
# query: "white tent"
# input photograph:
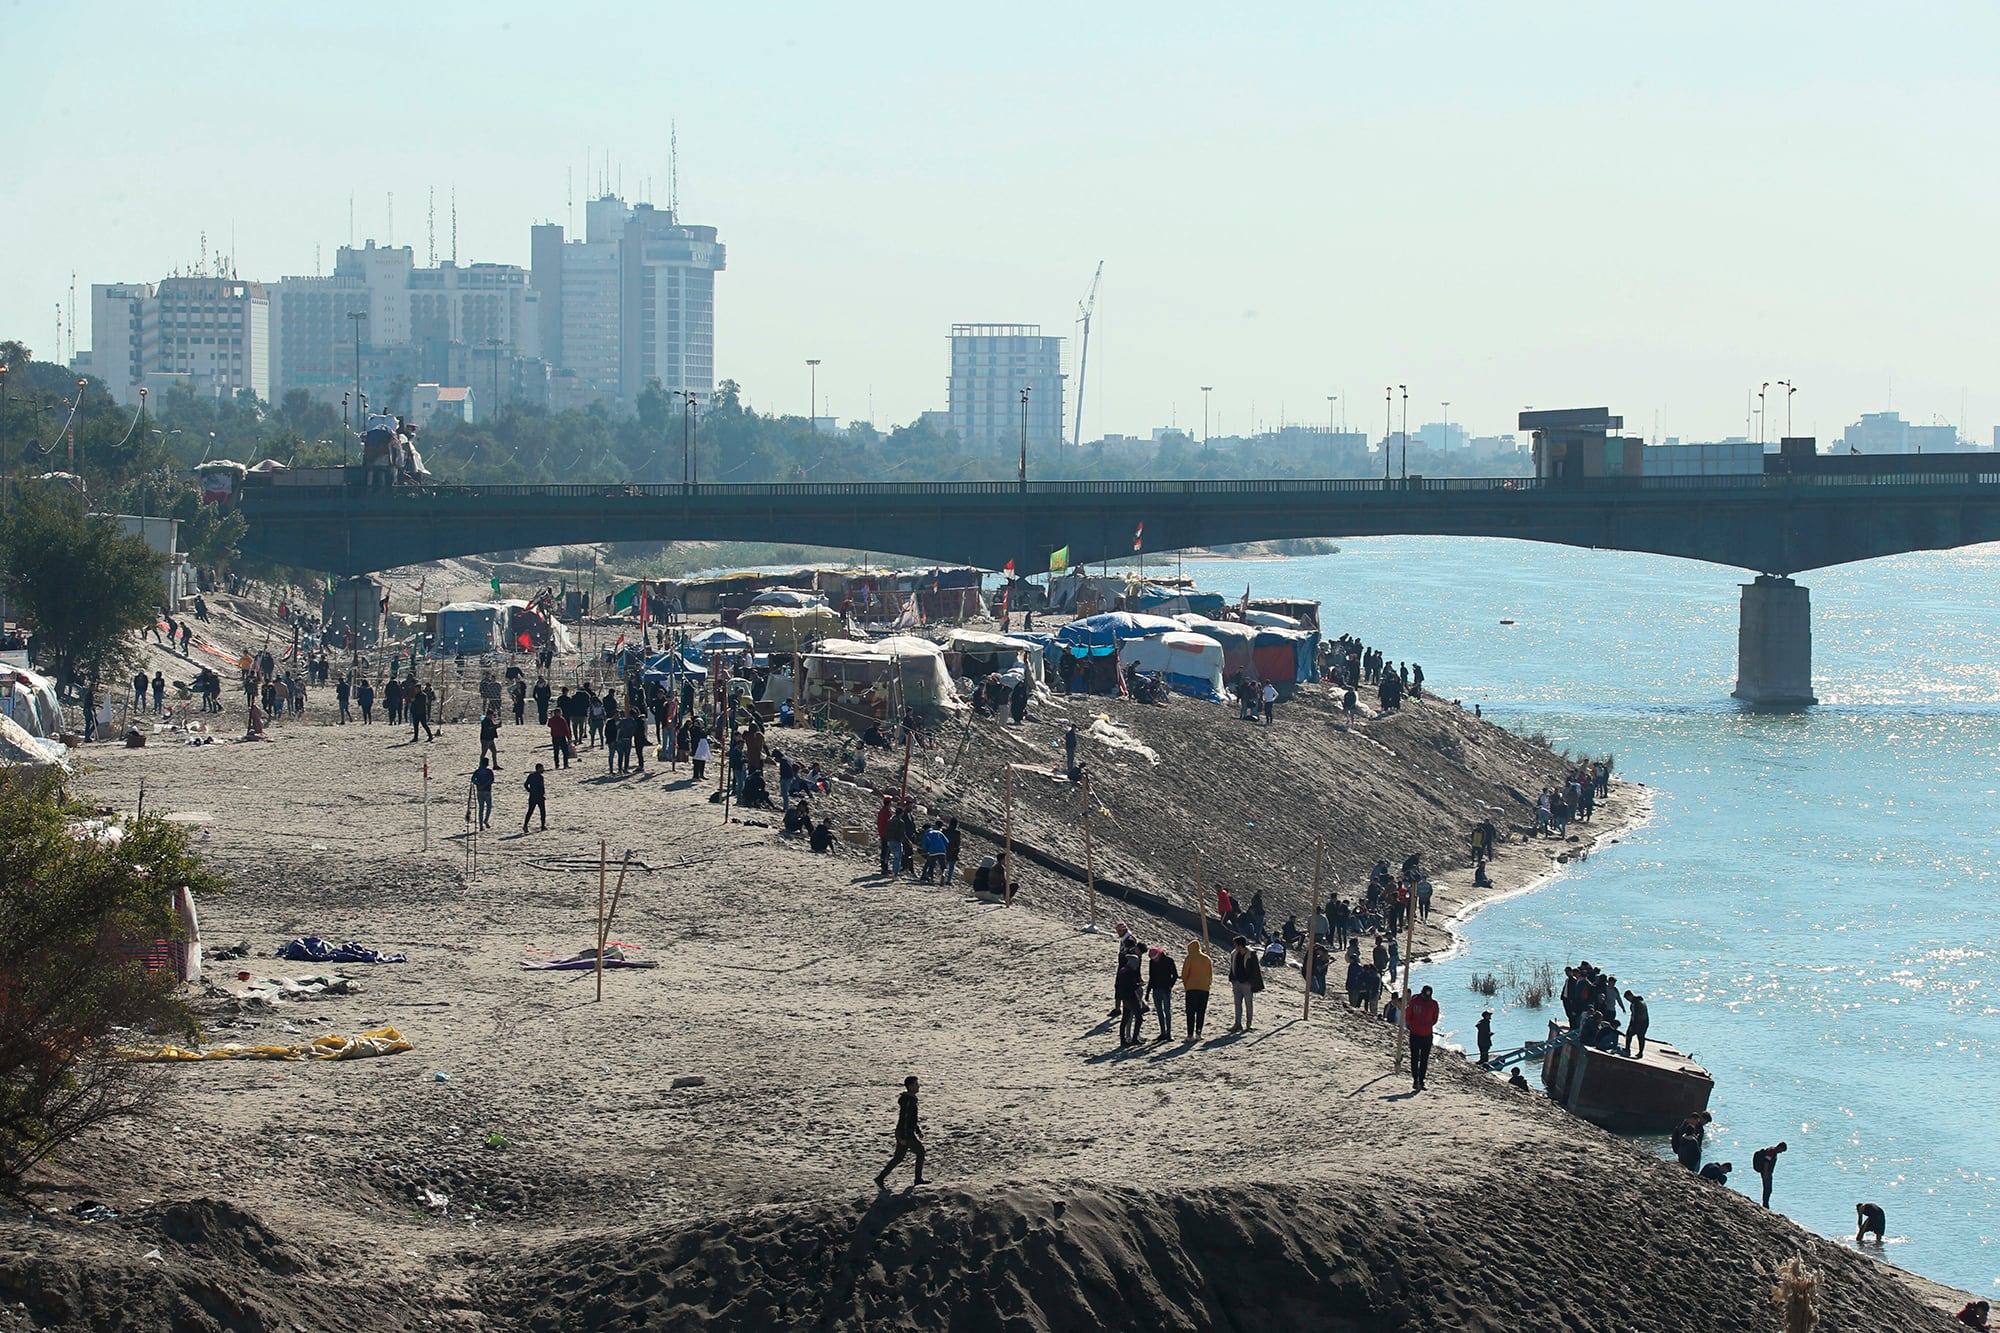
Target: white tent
(1191, 663)
(926, 683)
(1271, 618)
(29, 699)
(1237, 640)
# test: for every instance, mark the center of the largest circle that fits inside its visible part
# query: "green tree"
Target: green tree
(66, 1001)
(80, 585)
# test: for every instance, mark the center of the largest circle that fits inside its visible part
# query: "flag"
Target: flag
(1138, 536)
(1059, 560)
(496, 585)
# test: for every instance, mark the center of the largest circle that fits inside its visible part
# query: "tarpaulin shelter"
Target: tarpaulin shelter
(717, 640)
(1191, 663)
(1304, 610)
(976, 654)
(1271, 618)
(916, 668)
(29, 699)
(1099, 636)
(1238, 642)
(470, 627)
(791, 597)
(1286, 656)
(780, 628)
(528, 629)
(1164, 600)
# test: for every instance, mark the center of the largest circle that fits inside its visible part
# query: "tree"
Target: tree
(15, 356)
(66, 1001)
(82, 587)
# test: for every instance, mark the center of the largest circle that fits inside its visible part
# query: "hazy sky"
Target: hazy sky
(1650, 207)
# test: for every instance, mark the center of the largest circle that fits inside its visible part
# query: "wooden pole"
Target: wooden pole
(1007, 845)
(909, 746)
(610, 916)
(1089, 858)
(1200, 901)
(1402, 1011)
(1312, 923)
(427, 805)
(600, 919)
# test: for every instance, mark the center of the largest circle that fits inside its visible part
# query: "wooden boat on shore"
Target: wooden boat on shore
(1648, 1094)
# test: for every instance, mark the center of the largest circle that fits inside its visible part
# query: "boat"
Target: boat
(1648, 1094)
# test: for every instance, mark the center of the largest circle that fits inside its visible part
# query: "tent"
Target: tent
(1286, 656)
(469, 627)
(1191, 663)
(717, 640)
(978, 654)
(528, 629)
(781, 628)
(916, 665)
(1238, 641)
(29, 700)
(1099, 636)
(19, 750)
(1271, 618)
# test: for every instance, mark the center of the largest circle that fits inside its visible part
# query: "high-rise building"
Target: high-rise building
(414, 321)
(209, 333)
(631, 302)
(990, 365)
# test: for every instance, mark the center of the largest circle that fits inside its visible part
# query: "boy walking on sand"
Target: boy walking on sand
(538, 798)
(909, 1135)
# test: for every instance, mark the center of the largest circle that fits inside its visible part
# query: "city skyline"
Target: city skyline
(1501, 211)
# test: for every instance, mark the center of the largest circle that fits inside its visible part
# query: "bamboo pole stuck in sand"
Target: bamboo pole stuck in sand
(1089, 857)
(1200, 901)
(1312, 923)
(600, 919)
(1007, 846)
(1403, 1010)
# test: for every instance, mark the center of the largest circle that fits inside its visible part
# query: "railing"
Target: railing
(1275, 488)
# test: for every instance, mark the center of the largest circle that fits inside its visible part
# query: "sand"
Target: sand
(697, 1150)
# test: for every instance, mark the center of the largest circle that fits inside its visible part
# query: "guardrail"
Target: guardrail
(1276, 488)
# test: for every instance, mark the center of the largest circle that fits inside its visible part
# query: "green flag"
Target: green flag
(496, 585)
(1059, 560)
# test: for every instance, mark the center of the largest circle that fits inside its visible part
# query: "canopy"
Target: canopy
(1256, 617)
(717, 640)
(1191, 663)
(1099, 636)
(979, 641)
(787, 628)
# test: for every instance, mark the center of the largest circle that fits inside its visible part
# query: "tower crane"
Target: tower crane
(1084, 309)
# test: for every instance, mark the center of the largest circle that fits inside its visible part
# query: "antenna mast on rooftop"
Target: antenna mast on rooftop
(454, 225)
(431, 226)
(674, 170)
(391, 238)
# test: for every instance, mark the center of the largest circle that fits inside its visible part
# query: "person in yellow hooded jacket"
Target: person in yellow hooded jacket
(1197, 975)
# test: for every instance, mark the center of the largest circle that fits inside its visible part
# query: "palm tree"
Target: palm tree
(15, 355)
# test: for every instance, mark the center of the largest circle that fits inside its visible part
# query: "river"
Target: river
(1813, 912)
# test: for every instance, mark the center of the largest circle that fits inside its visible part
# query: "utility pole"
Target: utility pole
(1404, 433)
(1204, 414)
(1388, 428)
(1446, 446)
(1761, 391)
(690, 463)
(812, 395)
(356, 318)
(1789, 389)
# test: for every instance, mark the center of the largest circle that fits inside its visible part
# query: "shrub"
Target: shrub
(66, 1001)
(1485, 983)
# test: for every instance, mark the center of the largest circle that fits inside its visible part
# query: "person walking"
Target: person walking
(953, 844)
(541, 701)
(520, 693)
(489, 735)
(342, 692)
(1197, 976)
(1765, 1163)
(482, 791)
(1420, 1017)
(639, 738)
(884, 818)
(417, 703)
(538, 798)
(1161, 974)
(1246, 978)
(364, 694)
(559, 740)
(1269, 698)
(909, 1135)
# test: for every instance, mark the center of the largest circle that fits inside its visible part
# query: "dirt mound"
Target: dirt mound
(1381, 1260)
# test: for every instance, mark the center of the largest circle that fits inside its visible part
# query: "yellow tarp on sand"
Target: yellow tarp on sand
(377, 1041)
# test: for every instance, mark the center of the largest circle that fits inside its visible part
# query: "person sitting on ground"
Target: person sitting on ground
(822, 837)
(1514, 1079)
(1975, 1315)
(1717, 1172)
(874, 736)
(798, 819)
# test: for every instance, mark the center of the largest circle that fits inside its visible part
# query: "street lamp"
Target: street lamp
(1204, 413)
(357, 318)
(812, 394)
(1388, 428)
(1404, 432)
(1790, 389)
(1024, 437)
(1446, 446)
(690, 460)
(1760, 409)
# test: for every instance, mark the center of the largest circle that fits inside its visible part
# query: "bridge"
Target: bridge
(1774, 525)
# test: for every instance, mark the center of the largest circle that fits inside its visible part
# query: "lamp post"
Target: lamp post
(1761, 390)
(1404, 431)
(690, 462)
(1388, 428)
(69, 431)
(493, 346)
(1790, 389)
(812, 394)
(1204, 413)
(1446, 446)
(1024, 437)
(357, 318)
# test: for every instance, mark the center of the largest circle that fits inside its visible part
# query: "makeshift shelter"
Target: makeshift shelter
(977, 654)
(717, 640)
(1085, 594)
(1286, 656)
(29, 699)
(22, 754)
(220, 478)
(1099, 636)
(783, 628)
(529, 629)
(1171, 600)
(1272, 618)
(1302, 609)
(472, 628)
(915, 669)
(351, 613)
(1191, 663)
(791, 597)
(1238, 642)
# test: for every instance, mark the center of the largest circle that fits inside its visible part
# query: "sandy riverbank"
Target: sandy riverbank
(1279, 1178)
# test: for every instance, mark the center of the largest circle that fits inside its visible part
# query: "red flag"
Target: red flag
(1010, 569)
(1138, 536)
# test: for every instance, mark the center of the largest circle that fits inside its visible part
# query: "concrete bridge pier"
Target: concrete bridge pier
(1774, 644)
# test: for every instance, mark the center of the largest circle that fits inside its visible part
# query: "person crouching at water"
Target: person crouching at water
(1197, 977)
(1869, 1217)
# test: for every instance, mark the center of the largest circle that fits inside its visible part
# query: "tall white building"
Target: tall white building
(414, 320)
(210, 333)
(990, 365)
(631, 302)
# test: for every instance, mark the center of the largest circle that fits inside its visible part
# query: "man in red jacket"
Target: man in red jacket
(1420, 1016)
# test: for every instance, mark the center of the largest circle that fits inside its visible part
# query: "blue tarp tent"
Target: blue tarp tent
(1099, 636)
